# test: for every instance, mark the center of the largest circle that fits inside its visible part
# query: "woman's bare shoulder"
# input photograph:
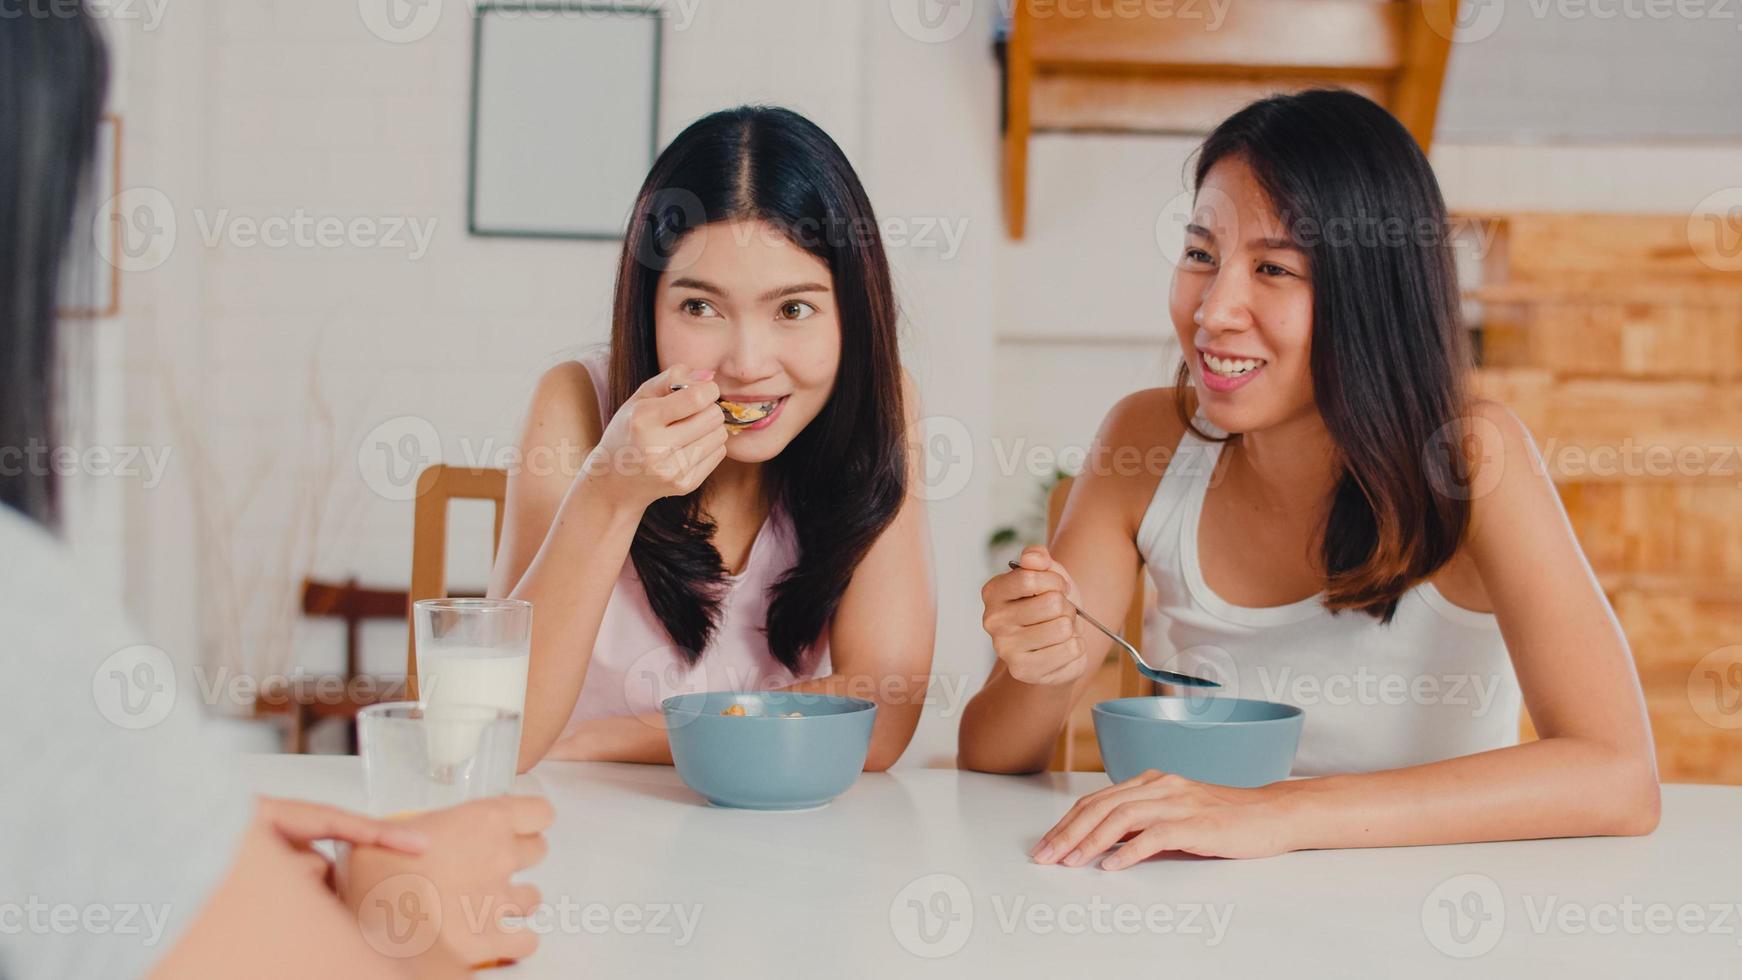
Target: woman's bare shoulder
(564, 405)
(1147, 419)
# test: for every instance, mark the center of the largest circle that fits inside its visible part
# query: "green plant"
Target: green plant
(1030, 528)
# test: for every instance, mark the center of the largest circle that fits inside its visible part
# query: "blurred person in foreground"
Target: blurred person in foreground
(135, 848)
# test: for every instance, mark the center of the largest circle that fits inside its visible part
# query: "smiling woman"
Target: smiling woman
(1335, 508)
(741, 520)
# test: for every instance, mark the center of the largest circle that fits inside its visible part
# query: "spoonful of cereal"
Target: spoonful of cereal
(741, 415)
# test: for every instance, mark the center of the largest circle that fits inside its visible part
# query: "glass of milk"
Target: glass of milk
(417, 757)
(472, 651)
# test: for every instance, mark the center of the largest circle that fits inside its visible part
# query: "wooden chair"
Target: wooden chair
(1066, 753)
(436, 486)
(1167, 71)
(308, 700)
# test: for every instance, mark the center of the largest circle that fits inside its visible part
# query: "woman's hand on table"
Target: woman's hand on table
(1157, 812)
(458, 890)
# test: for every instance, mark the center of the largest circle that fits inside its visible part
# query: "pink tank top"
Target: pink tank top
(635, 665)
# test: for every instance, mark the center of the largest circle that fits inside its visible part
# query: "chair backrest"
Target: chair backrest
(1131, 683)
(436, 486)
(352, 604)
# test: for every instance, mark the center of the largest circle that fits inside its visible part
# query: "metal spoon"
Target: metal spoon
(733, 423)
(1153, 673)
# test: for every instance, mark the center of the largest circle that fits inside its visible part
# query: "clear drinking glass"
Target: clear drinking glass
(418, 757)
(473, 651)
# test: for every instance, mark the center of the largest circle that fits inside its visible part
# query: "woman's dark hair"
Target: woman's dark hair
(53, 72)
(1390, 358)
(842, 479)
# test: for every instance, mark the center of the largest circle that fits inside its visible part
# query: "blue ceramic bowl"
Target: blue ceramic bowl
(764, 760)
(1226, 741)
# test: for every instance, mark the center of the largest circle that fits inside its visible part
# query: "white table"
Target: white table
(925, 872)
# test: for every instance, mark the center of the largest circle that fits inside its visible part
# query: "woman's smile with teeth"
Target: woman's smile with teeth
(1232, 367)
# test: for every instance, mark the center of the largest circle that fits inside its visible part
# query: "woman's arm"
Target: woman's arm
(1593, 771)
(880, 646)
(562, 549)
(1010, 726)
(881, 637)
(273, 915)
(573, 506)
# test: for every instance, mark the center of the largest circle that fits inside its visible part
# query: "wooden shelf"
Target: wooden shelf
(1177, 68)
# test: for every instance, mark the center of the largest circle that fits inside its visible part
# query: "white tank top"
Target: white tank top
(1435, 684)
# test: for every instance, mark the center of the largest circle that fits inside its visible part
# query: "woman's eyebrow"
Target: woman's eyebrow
(801, 287)
(685, 282)
(1264, 243)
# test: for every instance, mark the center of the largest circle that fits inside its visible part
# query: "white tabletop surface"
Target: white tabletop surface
(925, 872)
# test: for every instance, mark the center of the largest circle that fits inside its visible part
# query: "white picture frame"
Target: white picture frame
(565, 117)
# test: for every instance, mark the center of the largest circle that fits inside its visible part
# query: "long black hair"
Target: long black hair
(843, 478)
(53, 72)
(1390, 357)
